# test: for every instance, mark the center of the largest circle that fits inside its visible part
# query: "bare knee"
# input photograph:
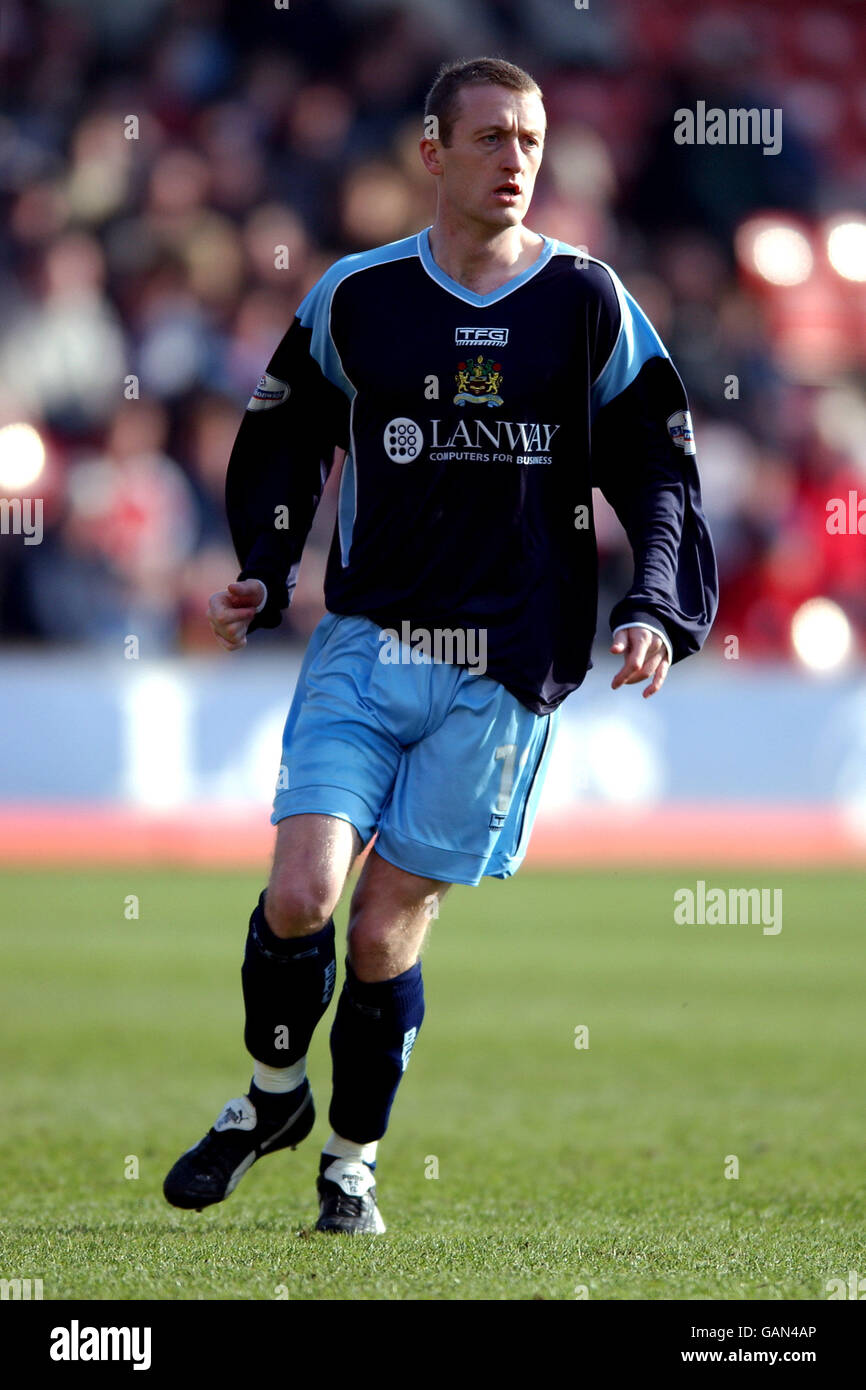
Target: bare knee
(389, 919)
(385, 944)
(298, 909)
(312, 857)
(378, 952)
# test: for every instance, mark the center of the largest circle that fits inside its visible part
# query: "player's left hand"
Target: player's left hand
(645, 658)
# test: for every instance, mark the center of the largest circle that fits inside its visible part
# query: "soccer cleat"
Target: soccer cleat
(347, 1198)
(211, 1170)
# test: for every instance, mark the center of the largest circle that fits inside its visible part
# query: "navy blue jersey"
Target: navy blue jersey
(475, 428)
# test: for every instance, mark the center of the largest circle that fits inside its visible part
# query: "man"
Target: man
(481, 378)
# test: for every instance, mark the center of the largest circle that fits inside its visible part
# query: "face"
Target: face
(487, 174)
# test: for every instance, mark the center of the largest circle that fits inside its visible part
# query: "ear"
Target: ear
(430, 157)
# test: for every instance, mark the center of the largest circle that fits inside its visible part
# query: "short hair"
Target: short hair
(443, 99)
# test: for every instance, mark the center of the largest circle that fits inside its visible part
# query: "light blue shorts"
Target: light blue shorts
(445, 765)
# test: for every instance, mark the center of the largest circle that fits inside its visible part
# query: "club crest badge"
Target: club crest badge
(478, 381)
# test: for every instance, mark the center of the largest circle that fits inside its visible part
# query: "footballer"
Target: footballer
(480, 379)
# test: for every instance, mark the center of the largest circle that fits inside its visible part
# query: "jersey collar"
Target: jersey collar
(480, 301)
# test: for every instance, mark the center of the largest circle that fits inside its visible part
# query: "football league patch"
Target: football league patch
(269, 391)
(681, 431)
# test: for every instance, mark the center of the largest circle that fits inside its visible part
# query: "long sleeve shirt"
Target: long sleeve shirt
(475, 428)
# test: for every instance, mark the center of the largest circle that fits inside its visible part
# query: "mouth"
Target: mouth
(507, 192)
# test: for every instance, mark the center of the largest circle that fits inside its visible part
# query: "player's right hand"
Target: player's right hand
(231, 611)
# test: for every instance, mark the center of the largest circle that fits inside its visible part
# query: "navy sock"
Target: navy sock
(271, 1106)
(287, 986)
(326, 1159)
(374, 1031)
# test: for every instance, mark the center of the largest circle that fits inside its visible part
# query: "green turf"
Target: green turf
(560, 1170)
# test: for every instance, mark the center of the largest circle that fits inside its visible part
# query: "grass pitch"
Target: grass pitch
(564, 1172)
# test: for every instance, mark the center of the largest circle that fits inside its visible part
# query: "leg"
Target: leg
(381, 1007)
(378, 1018)
(312, 858)
(289, 963)
(389, 918)
(288, 978)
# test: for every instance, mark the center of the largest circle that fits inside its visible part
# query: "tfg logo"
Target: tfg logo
(481, 337)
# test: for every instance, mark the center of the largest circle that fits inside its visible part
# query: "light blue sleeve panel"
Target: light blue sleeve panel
(314, 310)
(636, 342)
(347, 503)
(314, 313)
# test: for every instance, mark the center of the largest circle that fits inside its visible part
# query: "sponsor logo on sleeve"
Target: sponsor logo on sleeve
(681, 431)
(269, 391)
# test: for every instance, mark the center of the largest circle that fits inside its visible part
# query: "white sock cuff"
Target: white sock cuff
(347, 1148)
(277, 1080)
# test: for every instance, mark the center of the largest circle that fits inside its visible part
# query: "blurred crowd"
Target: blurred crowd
(154, 156)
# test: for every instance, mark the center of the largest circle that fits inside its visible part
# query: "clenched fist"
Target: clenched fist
(231, 611)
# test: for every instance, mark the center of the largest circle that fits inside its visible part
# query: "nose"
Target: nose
(512, 156)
